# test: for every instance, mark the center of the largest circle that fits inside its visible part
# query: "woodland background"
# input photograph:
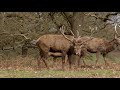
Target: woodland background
(35, 24)
(18, 29)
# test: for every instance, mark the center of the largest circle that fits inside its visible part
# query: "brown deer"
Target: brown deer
(54, 45)
(96, 45)
(58, 45)
(78, 46)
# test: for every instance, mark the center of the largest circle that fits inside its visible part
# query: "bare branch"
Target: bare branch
(51, 14)
(98, 17)
(101, 18)
(67, 18)
(115, 21)
(22, 36)
(5, 33)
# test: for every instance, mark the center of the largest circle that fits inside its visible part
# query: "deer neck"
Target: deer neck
(113, 44)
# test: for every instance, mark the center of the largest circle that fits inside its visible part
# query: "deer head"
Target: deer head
(78, 44)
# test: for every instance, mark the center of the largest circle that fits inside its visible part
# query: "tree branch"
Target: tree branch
(51, 14)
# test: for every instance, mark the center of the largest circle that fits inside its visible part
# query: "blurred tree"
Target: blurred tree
(35, 24)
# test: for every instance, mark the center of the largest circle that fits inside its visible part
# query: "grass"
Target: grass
(98, 73)
(19, 67)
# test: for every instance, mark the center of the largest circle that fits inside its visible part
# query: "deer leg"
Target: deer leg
(43, 58)
(83, 55)
(105, 60)
(79, 61)
(84, 62)
(45, 55)
(63, 62)
(63, 59)
(97, 58)
(69, 60)
(39, 62)
(106, 63)
(54, 61)
(45, 63)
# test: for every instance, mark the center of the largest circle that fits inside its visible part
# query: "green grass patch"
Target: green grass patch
(98, 73)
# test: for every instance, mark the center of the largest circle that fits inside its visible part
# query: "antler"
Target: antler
(91, 30)
(62, 32)
(86, 41)
(116, 29)
(72, 33)
(95, 15)
(78, 34)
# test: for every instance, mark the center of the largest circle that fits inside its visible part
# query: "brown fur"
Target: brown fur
(55, 44)
(97, 45)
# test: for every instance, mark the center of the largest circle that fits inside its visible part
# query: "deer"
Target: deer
(94, 45)
(79, 43)
(54, 45)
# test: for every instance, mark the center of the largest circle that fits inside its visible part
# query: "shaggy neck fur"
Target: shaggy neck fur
(111, 46)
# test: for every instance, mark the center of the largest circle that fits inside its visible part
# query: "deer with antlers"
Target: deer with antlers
(54, 45)
(79, 43)
(94, 45)
(99, 46)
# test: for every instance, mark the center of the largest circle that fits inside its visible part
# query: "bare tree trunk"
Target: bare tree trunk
(78, 20)
(75, 21)
(3, 19)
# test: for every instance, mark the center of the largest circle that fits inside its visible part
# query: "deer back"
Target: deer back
(54, 42)
(93, 44)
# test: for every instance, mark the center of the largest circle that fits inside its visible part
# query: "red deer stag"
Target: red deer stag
(54, 45)
(75, 40)
(57, 45)
(98, 46)
(94, 45)
(78, 47)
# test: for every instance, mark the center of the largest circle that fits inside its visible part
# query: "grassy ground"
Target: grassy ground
(27, 68)
(98, 73)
